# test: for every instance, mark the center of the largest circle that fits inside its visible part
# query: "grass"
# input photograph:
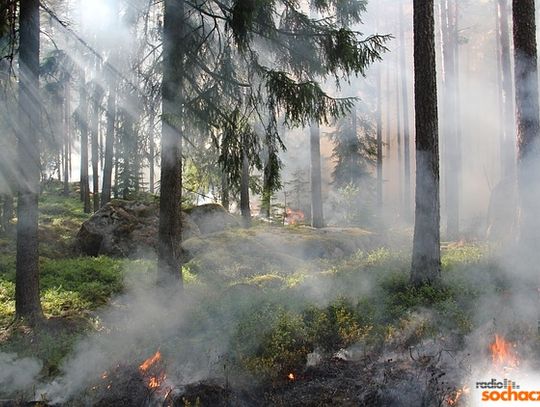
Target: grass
(271, 314)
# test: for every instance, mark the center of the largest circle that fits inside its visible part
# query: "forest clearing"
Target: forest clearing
(269, 203)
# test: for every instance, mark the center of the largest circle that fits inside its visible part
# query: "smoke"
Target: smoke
(18, 374)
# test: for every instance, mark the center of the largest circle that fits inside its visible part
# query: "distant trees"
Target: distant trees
(27, 301)
(317, 217)
(7, 149)
(426, 261)
(355, 151)
(528, 120)
(451, 119)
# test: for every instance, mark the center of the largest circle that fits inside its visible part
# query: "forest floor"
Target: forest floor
(263, 321)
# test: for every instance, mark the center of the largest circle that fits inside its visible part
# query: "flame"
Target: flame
(453, 400)
(148, 363)
(153, 372)
(502, 353)
(294, 217)
(290, 376)
(155, 381)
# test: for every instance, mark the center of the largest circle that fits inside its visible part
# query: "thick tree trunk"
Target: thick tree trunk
(317, 218)
(528, 121)
(83, 111)
(245, 208)
(508, 149)
(426, 258)
(170, 227)
(27, 301)
(109, 146)
(406, 127)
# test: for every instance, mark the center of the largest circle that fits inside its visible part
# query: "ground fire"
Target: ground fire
(503, 354)
(294, 217)
(152, 371)
(454, 399)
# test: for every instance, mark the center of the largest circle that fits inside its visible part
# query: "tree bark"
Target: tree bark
(426, 258)
(109, 146)
(27, 301)
(528, 121)
(317, 218)
(170, 227)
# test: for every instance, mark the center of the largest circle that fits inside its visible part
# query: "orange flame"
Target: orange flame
(502, 353)
(156, 381)
(453, 400)
(148, 363)
(294, 217)
(153, 372)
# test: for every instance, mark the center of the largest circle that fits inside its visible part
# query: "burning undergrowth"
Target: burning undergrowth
(353, 334)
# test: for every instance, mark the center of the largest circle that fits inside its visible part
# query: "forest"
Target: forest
(269, 203)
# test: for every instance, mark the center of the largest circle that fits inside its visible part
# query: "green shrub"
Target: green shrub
(271, 342)
(339, 325)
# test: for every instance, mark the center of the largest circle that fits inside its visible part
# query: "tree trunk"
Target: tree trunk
(27, 301)
(94, 128)
(109, 146)
(426, 257)
(151, 155)
(224, 190)
(317, 218)
(398, 139)
(508, 149)
(83, 111)
(67, 135)
(170, 227)
(452, 148)
(245, 208)
(528, 121)
(7, 211)
(379, 141)
(406, 127)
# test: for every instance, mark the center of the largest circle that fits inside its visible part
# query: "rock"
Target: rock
(130, 228)
(211, 218)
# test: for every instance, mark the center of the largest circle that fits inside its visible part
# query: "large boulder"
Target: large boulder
(130, 228)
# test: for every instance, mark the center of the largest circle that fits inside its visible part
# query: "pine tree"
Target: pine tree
(27, 301)
(426, 258)
(528, 120)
